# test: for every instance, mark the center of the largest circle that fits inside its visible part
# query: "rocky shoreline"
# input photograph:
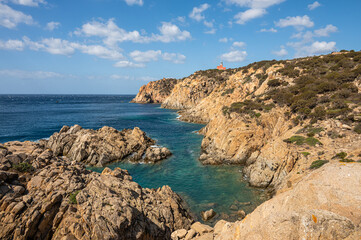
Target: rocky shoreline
(281, 120)
(48, 194)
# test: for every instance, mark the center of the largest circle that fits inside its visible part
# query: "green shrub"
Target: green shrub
(357, 128)
(72, 197)
(228, 91)
(274, 83)
(347, 160)
(23, 167)
(317, 164)
(312, 141)
(300, 140)
(341, 155)
(305, 153)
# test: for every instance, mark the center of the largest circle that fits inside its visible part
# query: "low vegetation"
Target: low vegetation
(72, 197)
(23, 167)
(300, 140)
(317, 164)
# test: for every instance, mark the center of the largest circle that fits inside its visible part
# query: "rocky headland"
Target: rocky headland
(46, 192)
(281, 120)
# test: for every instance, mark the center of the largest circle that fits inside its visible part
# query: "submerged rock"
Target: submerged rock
(105, 145)
(58, 198)
(208, 215)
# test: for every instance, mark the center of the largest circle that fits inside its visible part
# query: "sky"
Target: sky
(116, 46)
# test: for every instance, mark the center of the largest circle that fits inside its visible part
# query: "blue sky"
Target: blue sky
(115, 46)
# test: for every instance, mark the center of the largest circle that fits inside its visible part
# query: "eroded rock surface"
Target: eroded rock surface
(54, 197)
(105, 145)
(325, 205)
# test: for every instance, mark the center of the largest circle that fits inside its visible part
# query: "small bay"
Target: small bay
(33, 117)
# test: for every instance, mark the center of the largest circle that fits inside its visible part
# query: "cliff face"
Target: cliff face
(46, 196)
(276, 117)
(156, 91)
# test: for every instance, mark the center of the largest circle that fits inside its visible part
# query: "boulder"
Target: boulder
(207, 215)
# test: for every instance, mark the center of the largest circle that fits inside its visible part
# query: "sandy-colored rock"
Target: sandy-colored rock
(201, 228)
(190, 234)
(325, 205)
(179, 234)
(207, 215)
(155, 91)
(105, 145)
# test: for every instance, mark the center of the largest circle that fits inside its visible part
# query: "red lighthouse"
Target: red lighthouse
(220, 67)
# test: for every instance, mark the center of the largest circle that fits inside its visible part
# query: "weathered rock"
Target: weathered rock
(156, 91)
(179, 234)
(325, 205)
(59, 199)
(201, 228)
(207, 215)
(190, 234)
(105, 145)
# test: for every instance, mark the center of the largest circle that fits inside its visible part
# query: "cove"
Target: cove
(32, 117)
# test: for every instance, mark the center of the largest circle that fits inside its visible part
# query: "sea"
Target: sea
(222, 188)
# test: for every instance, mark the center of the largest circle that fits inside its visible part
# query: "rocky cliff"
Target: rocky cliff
(47, 195)
(276, 117)
(105, 145)
(156, 91)
(325, 205)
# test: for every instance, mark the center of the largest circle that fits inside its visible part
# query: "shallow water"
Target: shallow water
(32, 117)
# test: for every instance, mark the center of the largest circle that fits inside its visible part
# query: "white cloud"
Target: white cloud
(146, 56)
(314, 5)
(170, 33)
(196, 13)
(117, 77)
(134, 2)
(52, 25)
(325, 32)
(10, 18)
(208, 24)
(147, 78)
(315, 48)
(29, 74)
(239, 44)
(100, 51)
(128, 64)
(254, 3)
(298, 22)
(273, 30)
(223, 40)
(174, 57)
(29, 3)
(234, 56)
(12, 45)
(281, 53)
(112, 34)
(211, 31)
(243, 17)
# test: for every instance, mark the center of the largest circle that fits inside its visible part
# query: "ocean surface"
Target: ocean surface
(33, 117)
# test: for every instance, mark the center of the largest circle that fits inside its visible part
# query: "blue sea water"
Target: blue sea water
(32, 117)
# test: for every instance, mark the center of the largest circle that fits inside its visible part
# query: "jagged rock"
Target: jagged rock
(179, 234)
(60, 199)
(241, 214)
(156, 91)
(190, 234)
(105, 145)
(207, 215)
(201, 228)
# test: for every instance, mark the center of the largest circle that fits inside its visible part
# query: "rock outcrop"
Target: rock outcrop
(105, 145)
(325, 205)
(46, 196)
(156, 91)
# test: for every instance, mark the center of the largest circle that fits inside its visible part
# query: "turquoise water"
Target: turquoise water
(32, 117)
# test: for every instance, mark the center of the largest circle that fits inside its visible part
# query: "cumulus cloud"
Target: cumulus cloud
(174, 57)
(146, 56)
(239, 44)
(281, 53)
(325, 32)
(234, 56)
(128, 64)
(12, 45)
(314, 5)
(52, 25)
(298, 22)
(254, 3)
(112, 34)
(197, 12)
(154, 55)
(100, 51)
(273, 30)
(257, 8)
(134, 2)
(243, 17)
(224, 40)
(10, 18)
(29, 3)
(315, 48)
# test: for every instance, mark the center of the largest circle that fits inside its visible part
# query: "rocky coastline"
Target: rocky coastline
(282, 120)
(46, 192)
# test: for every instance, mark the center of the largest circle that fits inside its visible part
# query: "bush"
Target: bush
(72, 197)
(357, 128)
(274, 83)
(317, 164)
(228, 91)
(305, 153)
(300, 140)
(23, 167)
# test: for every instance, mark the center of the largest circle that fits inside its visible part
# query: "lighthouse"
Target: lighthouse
(220, 67)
